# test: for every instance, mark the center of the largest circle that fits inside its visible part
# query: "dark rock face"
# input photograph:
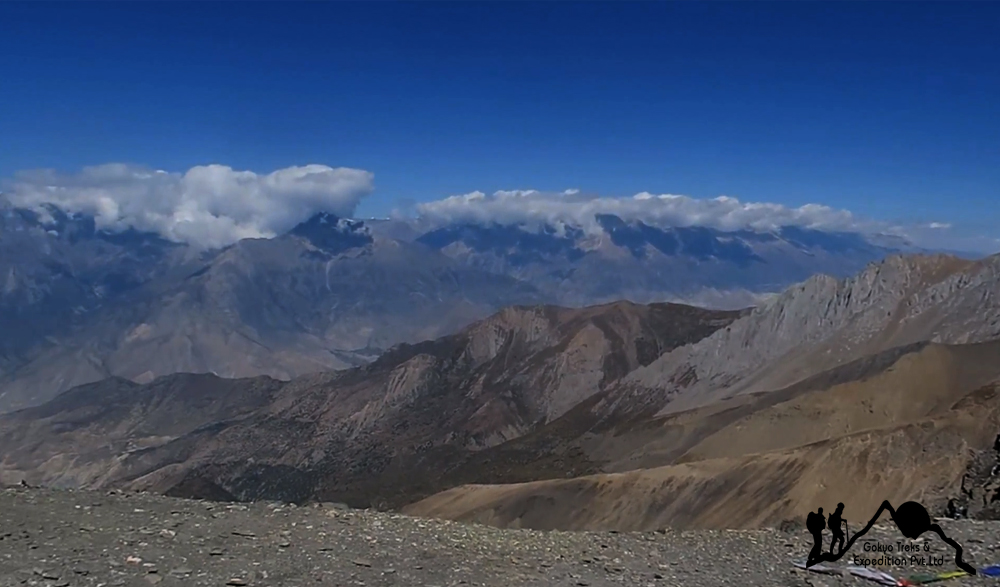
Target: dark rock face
(194, 487)
(979, 497)
(55, 273)
(834, 242)
(332, 234)
(636, 237)
(695, 242)
(516, 246)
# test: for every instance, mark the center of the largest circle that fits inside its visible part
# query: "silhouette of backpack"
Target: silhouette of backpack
(815, 523)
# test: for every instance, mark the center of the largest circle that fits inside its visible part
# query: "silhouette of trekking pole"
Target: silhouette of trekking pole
(847, 533)
(912, 520)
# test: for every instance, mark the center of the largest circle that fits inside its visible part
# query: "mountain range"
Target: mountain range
(80, 303)
(624, 416)
(635, 261)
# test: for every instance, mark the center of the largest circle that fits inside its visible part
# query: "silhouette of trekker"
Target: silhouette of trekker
(815, 523)
(912, 520)
(835, 523)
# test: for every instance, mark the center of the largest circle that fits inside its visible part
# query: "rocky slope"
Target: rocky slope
(378, 432)
(823, 323)
(83, 538)
(901, 429)
(799, 401)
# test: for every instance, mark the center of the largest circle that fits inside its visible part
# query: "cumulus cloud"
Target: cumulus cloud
(533, 208)
(215, 205)
(207, 206)
(666, 210)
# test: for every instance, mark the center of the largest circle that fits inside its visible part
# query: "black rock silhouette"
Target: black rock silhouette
(912, 519)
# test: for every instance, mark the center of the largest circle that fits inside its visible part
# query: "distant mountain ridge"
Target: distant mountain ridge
(640, 262)
(87, 303)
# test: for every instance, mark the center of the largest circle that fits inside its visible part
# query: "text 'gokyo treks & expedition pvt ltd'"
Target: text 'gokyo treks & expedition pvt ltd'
(899, 554)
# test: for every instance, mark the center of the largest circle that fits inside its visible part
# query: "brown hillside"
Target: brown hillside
(905, 432)
(381, 434)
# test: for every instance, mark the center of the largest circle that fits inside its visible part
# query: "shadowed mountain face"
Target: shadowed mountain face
(372, 433)
(516, 246)
(696, 242)
(54, 273)
(333, 235)
(59, 273)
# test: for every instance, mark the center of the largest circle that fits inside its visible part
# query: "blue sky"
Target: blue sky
(889, 110)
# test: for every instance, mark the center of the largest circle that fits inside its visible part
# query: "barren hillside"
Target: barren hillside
(370, 434)
(908, 432)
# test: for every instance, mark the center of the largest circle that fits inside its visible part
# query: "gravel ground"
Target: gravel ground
(78, 538)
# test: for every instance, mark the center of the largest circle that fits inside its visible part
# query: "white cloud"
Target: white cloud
(572, 206)
(210, 206)
(532, 208)
(215, 205)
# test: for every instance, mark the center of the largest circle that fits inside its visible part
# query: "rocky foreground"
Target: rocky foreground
(68, 538)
